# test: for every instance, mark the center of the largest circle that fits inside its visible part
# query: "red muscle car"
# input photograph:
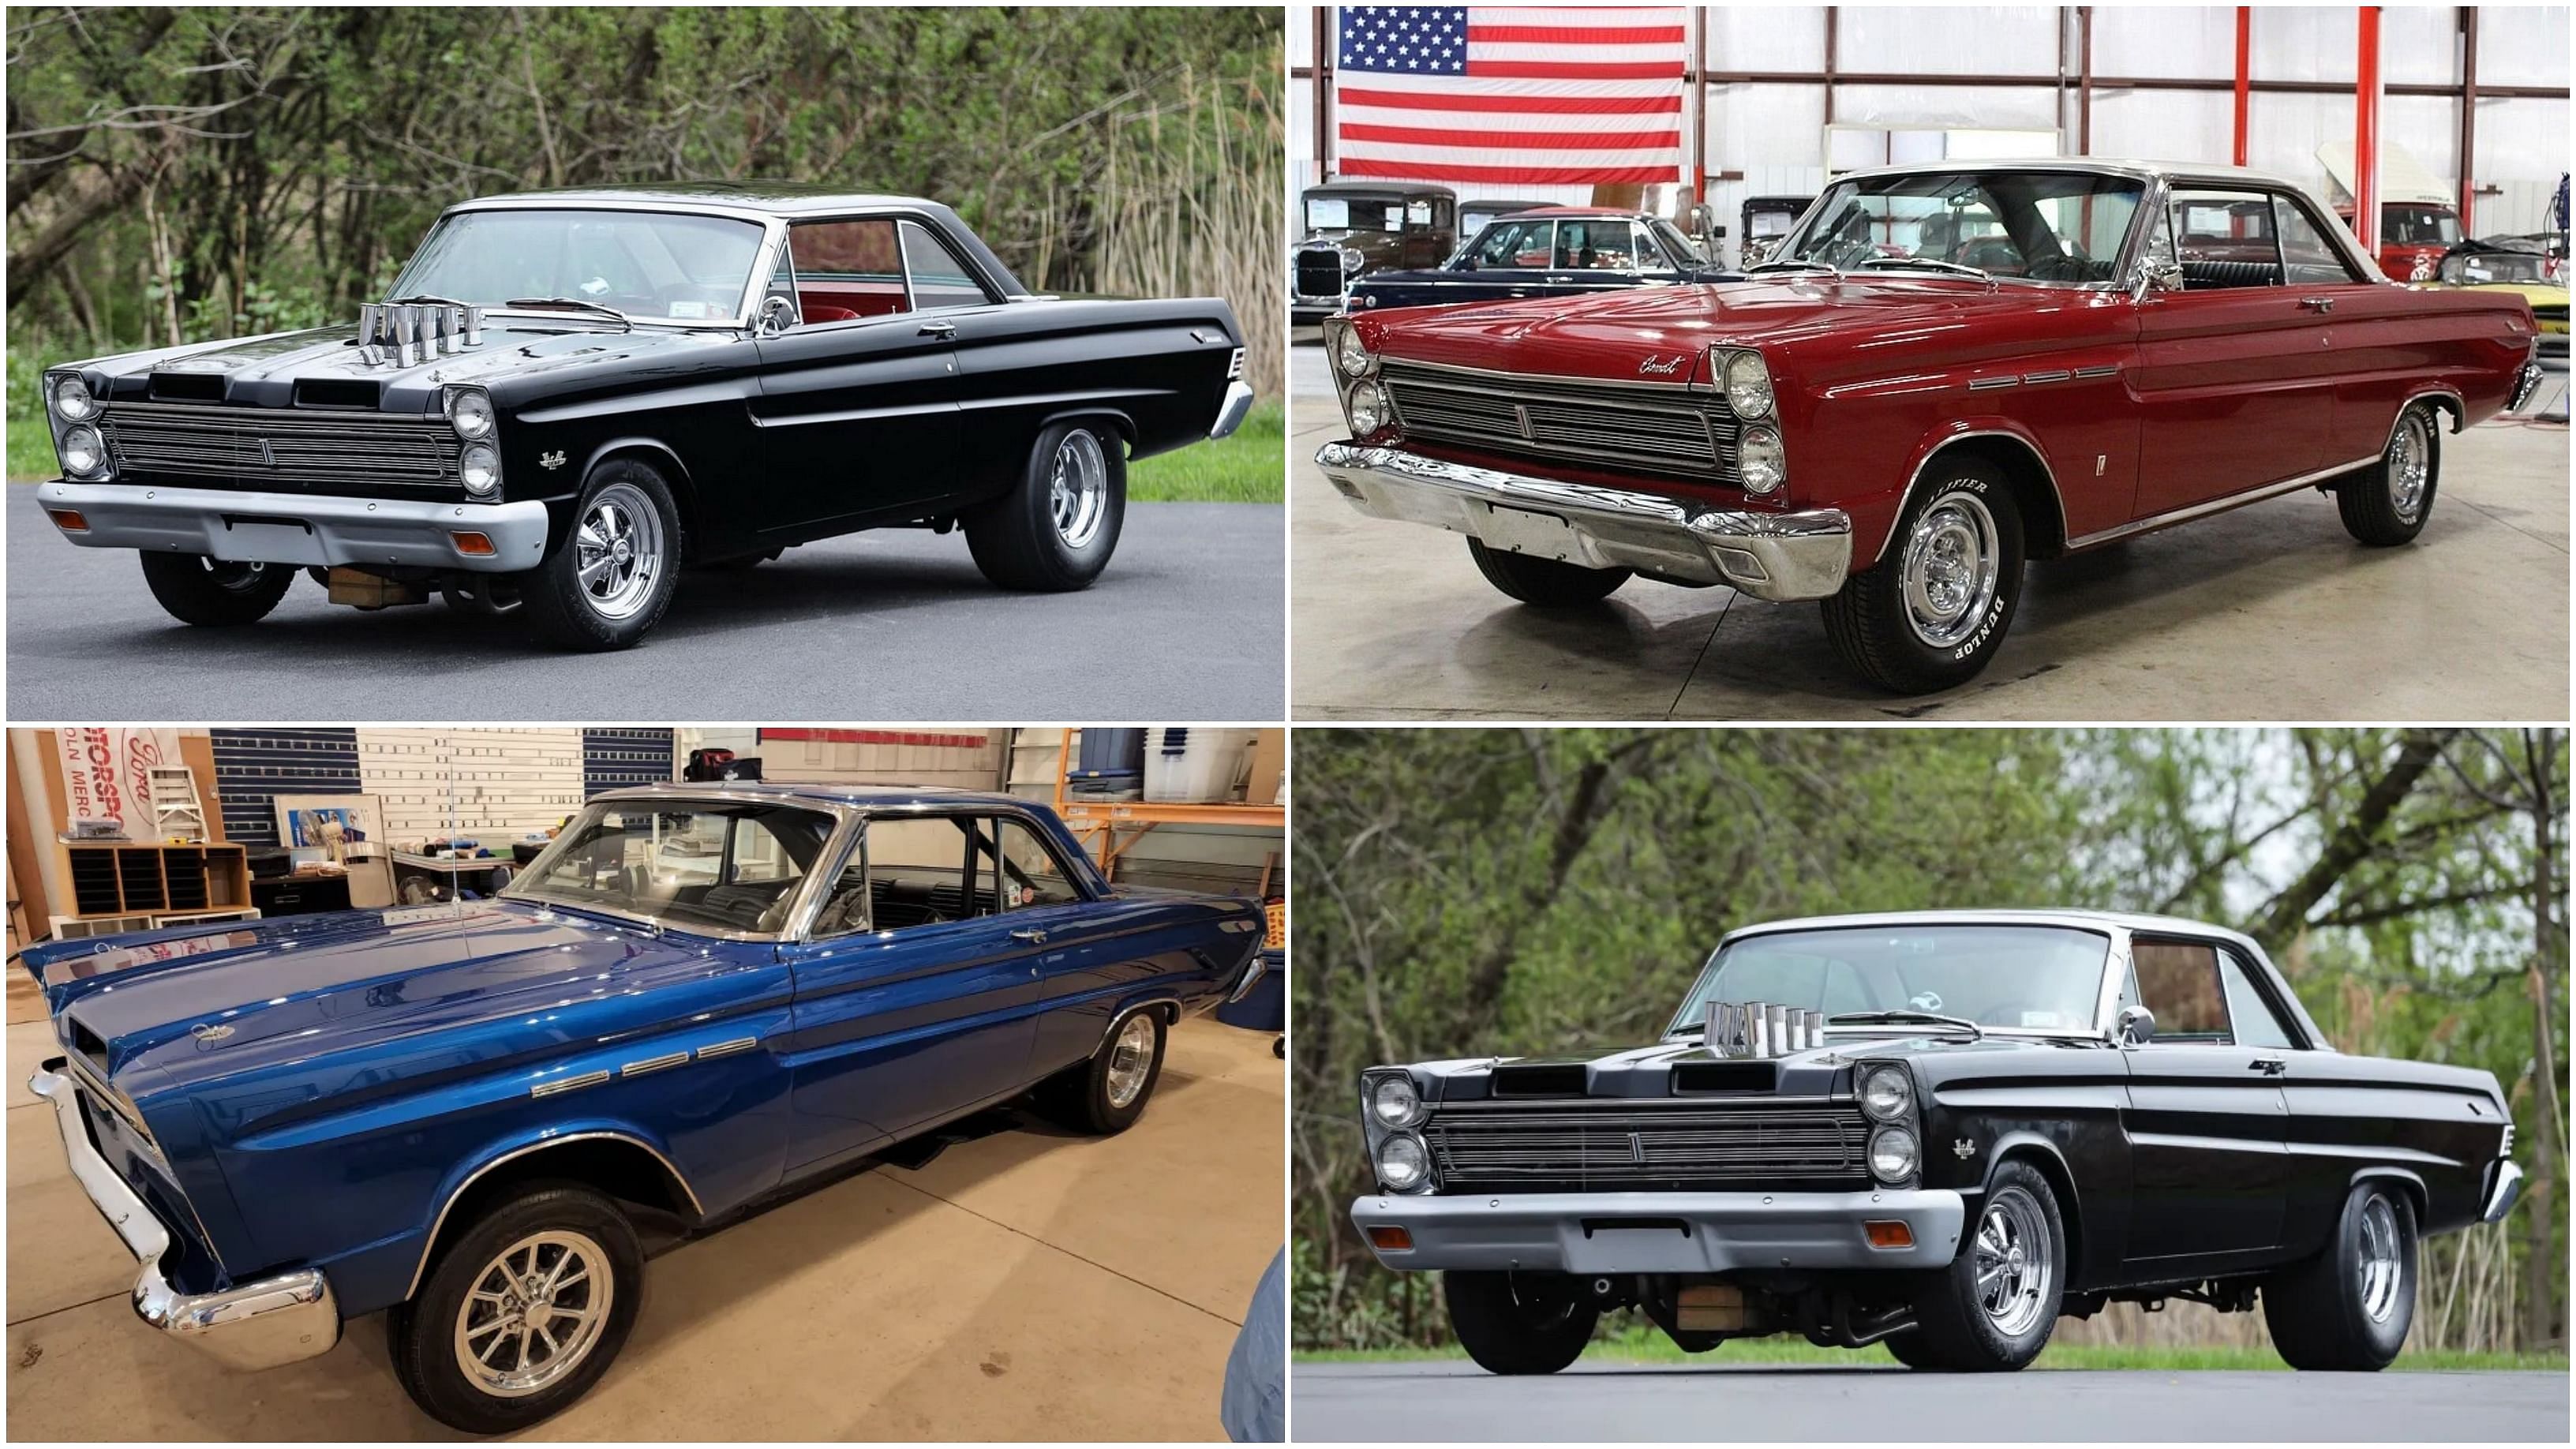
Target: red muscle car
(1942, 371)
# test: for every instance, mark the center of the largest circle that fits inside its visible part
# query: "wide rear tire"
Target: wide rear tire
(1107, 1093)
(2350, 1306)
(1519, 1323)
(1055, 531)
(2386, 505)
(212, 593)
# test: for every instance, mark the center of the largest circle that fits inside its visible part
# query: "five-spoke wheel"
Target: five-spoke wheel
(607, 581)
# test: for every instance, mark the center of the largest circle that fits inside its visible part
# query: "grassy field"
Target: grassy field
(1648, 1346)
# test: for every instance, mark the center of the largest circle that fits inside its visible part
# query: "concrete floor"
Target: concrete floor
(2271, 612)
(1024, 1285)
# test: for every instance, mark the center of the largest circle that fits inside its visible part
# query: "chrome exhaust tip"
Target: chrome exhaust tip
(473, 323)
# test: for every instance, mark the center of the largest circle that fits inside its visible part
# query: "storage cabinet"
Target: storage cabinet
(121, 879)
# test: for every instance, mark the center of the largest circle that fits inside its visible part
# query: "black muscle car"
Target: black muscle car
(1939, 1130)
(571, 394)
(1554, 251)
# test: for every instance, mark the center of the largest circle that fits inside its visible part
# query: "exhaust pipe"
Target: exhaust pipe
(1759, 1030)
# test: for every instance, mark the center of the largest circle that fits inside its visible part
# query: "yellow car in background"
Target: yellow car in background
(2540, 278)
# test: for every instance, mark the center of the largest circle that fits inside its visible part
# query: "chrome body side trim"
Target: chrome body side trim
(728, 1048)
(569, 1084)
(440, 1221)
(300, 528)
(2209, 506)
(1775, 556)
(258, 1325)
(1992, 384)
(1724, 1231)
(1906, 499)
(652, 1064)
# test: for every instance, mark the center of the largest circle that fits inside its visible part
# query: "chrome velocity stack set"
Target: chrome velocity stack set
(414, 332)
(1762, 1029)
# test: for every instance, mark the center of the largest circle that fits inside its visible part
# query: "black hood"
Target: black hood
(1684, 1068)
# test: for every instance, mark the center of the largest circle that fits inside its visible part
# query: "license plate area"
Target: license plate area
(270, 540)
(1518, 530)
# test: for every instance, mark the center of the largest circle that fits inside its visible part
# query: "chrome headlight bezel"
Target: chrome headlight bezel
(63, 444)
(1902, 1108)
(1346, 352)
(1770, 473)
(1745, 381)
(1377, 1094)
(61, 385)
(1366, 408)
(1895, 1139)
(467, 459)
(471, 414)
(1408, 1145)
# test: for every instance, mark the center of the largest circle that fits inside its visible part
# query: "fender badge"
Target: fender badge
(205, 1031)
(1657, 367)
(550, 461)
(1964, 1148)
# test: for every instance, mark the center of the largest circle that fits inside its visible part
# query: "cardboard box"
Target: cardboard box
(1269, 760)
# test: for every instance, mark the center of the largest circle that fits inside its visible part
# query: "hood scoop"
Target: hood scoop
(410, 333)
(1547, 1079)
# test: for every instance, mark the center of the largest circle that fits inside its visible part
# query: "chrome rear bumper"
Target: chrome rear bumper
(1776, 556)
(1229, 414)
(299, 528)
(255, 1326)
(1664, 1232)
(2525, 382)
(2501, 1198)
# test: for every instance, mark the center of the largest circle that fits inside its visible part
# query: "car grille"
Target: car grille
(277, 448)
(1319, 273)
(1666, 429)
(1625, 1145)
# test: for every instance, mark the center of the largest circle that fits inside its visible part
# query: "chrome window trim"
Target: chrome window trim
(772, 227)
(431, 1240)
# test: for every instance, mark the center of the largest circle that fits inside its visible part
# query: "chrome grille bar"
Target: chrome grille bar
(1659, 429)
(278, 445)
(1612, 1145)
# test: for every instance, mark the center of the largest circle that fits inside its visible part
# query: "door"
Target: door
(1082, 970)
(857, 413)
(2235, 377)
(915, 992)
(1428, 231)
(2208, 1124)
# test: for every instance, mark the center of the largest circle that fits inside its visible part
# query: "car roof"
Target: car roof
(1585, 211)
(797, 792)
(2106, 166)
(1385, 188)
(778, 198)
(2131, 921)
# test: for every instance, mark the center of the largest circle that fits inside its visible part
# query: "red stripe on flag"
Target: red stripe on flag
(1670, 70)
(1517, 175)
(1529, 105)
(1578, 34)
(1533, 140)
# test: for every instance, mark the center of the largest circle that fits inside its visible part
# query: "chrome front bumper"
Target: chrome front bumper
(1664, 1232)
(299, 528)
(1776, 556)
(1229, 414)
(255, 1326)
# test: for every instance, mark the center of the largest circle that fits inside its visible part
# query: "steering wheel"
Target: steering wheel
(1925, 1001)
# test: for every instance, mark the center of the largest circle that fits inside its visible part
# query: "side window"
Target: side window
(938, 278)
(1516, 244)
(782, 282)
(845, 270)
(2306, 255)
(1031, 874)
(1417, 214)
(845, 906)
(2256, 1023)
(2178, 981)
(983, 870)
(916, 872)
(2226, 239)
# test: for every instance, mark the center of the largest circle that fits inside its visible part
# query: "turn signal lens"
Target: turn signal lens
(475, 543)
(1885, 1235)
(69, 520)
(1391, 1239)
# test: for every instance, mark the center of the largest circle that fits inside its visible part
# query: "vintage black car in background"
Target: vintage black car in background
(1348, 229)
(573, 393)
(1940, 1131)
(1555, 251)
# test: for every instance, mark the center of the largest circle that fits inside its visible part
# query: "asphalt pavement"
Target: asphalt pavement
(1608, 1403)
(1187, 623)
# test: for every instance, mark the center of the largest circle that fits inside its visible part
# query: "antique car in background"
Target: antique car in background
(1348, 229)
(574, 393)
(1555, 251)
(1766, 220)
(697, 996)
(2518, 265)
(1943, 371)
(1938, 1130)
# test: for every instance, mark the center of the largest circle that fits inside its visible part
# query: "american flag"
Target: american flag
(1510, 93)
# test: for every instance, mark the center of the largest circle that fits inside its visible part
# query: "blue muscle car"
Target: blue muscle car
(697, 995)
(1553, 251)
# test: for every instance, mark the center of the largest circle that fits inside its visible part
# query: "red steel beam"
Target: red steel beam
(2244, 74)
(2468, 113)
(2365, 131)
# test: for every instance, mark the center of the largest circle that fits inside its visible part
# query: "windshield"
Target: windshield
(1354, 213)
(2014, 978)
(2418, 226)
(684, 864)
(2063, 228)
(652, 266)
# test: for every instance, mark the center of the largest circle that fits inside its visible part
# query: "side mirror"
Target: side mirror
(777, 314)
(2155, 276)
(2137, 1026)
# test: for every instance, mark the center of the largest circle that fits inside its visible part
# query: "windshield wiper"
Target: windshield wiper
(1962, 268)
(430, 299)
(1904, 1014)
(1794, 267)
(572, 302)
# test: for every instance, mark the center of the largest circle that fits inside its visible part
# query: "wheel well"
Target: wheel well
(2449, 404)
(2068, 1212)
(2405, 1182)
(622, 1169)
(1119, 423)
(2043, 520)
(684, 492)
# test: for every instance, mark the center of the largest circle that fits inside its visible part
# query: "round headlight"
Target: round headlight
(1887, 1093)
(72, 400)
(480, 466)
(1761, 464)
(1353, 354)
(1401, 1163)
(83, 454)
(1353, 259)
(1748, 385)
(1369, 411)
(471, 412)
(1394, 1102)
(1892, 1155)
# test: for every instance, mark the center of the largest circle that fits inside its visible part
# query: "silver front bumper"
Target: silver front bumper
(1664, 1232)
(299, 528)
(1776, 556)
(255, 1326)
(1229, 414)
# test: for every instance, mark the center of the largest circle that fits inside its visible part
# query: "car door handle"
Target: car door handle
(2317, 304)
(1034, 938)
(2268, 1066)
(938, 329)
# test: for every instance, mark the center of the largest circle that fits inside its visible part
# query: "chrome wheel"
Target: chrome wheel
(2015, 1266)
(618, 550)
(1078, 488)
(1131, 1059)
(2410, 466)
(534, 1313)
(2382, 1265)
(1952, 566)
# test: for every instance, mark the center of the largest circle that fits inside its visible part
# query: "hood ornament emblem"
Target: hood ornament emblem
(208, 1031)
(1658, 367)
